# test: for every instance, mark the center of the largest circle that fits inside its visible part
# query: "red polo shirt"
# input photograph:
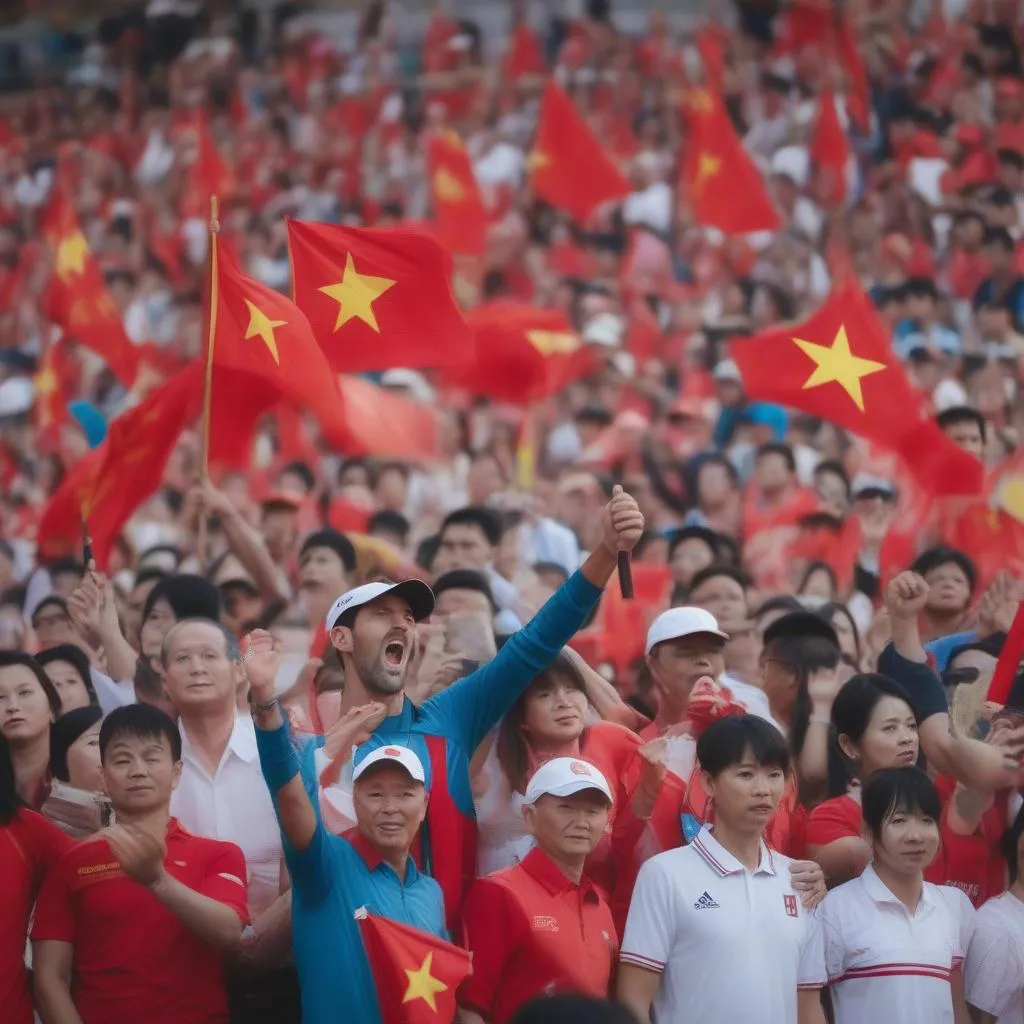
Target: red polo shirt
(29, 847)
(133, 959)
(533, 932)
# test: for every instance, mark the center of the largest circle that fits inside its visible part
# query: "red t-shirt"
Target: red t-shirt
(534, 932)
(133, 959)
(29, 847)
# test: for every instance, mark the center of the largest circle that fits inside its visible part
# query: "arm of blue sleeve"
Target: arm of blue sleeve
(944, 646)
(925, 689)
(472, 707)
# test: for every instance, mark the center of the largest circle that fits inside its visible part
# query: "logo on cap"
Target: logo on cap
(392, 752)
(579, 768)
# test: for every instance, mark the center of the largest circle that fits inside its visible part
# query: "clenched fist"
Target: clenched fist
(623, 522)
(906, 595)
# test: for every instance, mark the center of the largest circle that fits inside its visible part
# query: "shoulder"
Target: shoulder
(209, 849)
(954, 899)
(839, 901)
(835, 819)
(35, 830)
(669, 863)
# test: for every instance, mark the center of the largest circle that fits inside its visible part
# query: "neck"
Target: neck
(1017, 889)
(356, 694)
(31, 760)
(745, 846)
(209, 732)
(571, 867)
(940, 623)
(906, 888)
(396, 860)
(154, 822)
(549, 751)
(670, 713)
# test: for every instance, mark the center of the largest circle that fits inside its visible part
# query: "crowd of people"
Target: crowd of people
(774, 785)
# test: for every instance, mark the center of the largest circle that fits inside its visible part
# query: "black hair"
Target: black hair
(831, 610)
(961, 414)
(1012, 157)
(143, 721)
(812, 568)
(475, 515)
(922, 287)
(702, 533)
(465, 579)
(76, 658)
(933, 558)
(149, 574)
(780, 603)
(65, 731)
(51, 600)
(851, 714)
(426, 551)
(836, 468)
(1011, 840)
(336, 541)
(66, 564)
(709, 572)
(161, 549)
(778, 448)
(891, 791)
(8, 659)
(539, 567)
(596, 414)
(572, 1009)
(10, 801)
(1001, 237)
(190, 597)
(715, 459)
(800, 625)
(726, 742)
(389, 521)
(303, 472)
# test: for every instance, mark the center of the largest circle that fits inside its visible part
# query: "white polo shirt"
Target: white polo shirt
(885, 963)
(234, 805)
(994, 970)
(732, 945)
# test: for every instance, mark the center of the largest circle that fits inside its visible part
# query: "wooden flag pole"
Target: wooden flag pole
(202, 536)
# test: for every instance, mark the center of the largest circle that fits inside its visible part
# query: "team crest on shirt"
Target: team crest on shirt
(790, 903)
(545, 924)
(706, 902)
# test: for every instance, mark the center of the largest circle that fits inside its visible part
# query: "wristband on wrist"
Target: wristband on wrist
(820, 720)
(268, 706)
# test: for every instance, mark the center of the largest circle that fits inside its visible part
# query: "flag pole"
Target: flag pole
(204, 471)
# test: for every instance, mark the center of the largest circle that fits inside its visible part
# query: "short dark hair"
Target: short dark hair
(48, 601)
(956, 414)
(65, 565)
(76, 658)
(933, 558)
(1001, 237)
(726, 742)
(65, 731)
(784, 603)
(701, 533)
(709, 572)
(8, 659)
(389, 521)
(475, 515)
(302, 471)
(836, 468)
(778, 448)
(144, 721)
(190, 597)
(336, 541)
(906, 790)
(465, 579)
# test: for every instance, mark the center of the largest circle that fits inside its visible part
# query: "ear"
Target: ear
(529, 814)
(341, 639)
(708, 782)
(175, 775)
(847, 747)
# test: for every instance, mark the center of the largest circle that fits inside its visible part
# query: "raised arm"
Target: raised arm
(477, 702)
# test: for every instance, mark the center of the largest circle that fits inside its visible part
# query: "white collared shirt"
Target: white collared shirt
(885, 963)
(994, 971)
(732, 945)
(234, 805)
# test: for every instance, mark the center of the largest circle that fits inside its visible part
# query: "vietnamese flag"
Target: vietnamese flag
(209, 174)
(523, 353)
(858, 98)
(50, 385)
(416, 973)
(830, 151)
(383, 423)
(838, 364)
(377, 298)
(461, 221)
(569, 167)
(724, 187)
(110, 483)
(76, 297)
(261, 351)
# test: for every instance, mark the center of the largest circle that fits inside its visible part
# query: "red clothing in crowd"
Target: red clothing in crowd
(534, 932)
(29, 847)
(133, 959)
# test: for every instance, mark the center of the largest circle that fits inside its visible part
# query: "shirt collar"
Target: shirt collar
(539, 866)
(241, 743)
(371, 855)
(881, 893)
(723, 862)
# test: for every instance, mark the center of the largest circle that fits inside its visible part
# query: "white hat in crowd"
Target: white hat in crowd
(678, 622)
(415, 593)
(565, 776)
(400, 755)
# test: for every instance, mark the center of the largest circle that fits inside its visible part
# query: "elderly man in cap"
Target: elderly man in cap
(542, 927)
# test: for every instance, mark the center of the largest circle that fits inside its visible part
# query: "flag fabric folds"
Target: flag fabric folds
(383, 423)
(830, 151)
(459, 215)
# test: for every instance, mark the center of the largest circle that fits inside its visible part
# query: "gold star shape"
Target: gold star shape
(355, 294)
(837, 363)
(45, 381)
(262, 327)
(538, 161)
(423, 985)
(71, 253)
(447, 187)
(550, 342)
(707, 168)
(699, 99)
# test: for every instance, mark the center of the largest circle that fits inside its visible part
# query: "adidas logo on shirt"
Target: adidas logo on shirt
(706, 902)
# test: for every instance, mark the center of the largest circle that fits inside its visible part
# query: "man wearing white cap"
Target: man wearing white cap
(542, 927)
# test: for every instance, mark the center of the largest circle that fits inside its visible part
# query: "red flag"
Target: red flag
(113, 480)
(458, 209)
(858, 98)
(523, 353)
(524, 54)
(838, 364)
(209, 174)
(1008, 664)
(722, 182)
(50, 408)
(383, 423)
(830, 151)
(377, 298)
(416, 973)
(76, 296)
(569, 167)
(262, 352)
(711, 43)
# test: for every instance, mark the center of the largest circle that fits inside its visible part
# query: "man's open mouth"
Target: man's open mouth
(394, 652)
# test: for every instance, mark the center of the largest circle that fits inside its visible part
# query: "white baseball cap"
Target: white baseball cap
(415, 593)
(400, 755)
(565, 776)
(677, 622)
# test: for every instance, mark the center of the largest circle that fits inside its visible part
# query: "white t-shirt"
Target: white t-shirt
(885, 963)
(994, 971)
(731, 945)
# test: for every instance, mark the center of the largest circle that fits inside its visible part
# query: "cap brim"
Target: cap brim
(574, 787)
(370, 765)
(417, 595)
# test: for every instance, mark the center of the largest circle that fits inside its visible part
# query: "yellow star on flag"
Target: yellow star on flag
(355, 294)
(538, 161)
(707, 168)
(423, 985)
(45, 381)
(550, 342)
(448, 187)
(699, 99)
(262, 327)
(837, 363)
(71, 253)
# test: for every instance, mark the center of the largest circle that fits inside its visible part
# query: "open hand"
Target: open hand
(354, 727)
(261, 659)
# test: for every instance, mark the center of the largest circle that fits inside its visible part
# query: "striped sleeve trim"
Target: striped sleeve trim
(645, 962)
(896, 970)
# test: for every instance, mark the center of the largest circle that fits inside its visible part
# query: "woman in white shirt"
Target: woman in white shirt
(894, 943)
(994, 972)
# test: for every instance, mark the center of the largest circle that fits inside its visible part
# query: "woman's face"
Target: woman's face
(908, 843)
(84, 770)
(846, 636)
(24, 710)
(889, 741)
(553, 712)
(818, 584)
(156, 626)
(69, 685)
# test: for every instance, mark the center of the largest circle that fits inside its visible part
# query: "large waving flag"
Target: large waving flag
(383, 423)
